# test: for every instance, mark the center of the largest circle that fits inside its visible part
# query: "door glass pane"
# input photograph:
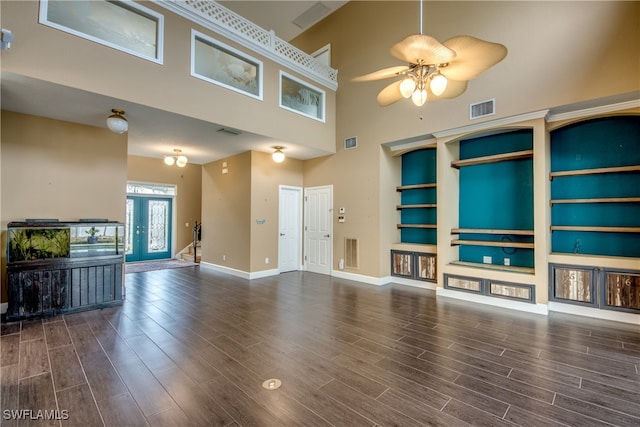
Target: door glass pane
(158, 223)
(129, 226)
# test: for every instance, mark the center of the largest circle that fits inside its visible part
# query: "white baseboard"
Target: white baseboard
(616, 316)
(3, 307)
(497, 302)
(408, 282)
(240, 273)
(377, 281)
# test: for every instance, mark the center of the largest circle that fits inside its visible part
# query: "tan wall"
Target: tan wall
(240, 210)
(266, 178)
(188, 182)
(54, 169)
(75, 62)
(226, 212)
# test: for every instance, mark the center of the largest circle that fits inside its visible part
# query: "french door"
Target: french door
(148, 228)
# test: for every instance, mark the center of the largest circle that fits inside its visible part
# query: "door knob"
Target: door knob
(282, 234)
(327, 235)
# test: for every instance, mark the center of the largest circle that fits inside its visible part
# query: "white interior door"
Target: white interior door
(290, 229)
(318, 227)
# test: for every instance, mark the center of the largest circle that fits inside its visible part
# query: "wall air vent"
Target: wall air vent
(482, 109)
(351, 142)
(351, 253)
(230, 131)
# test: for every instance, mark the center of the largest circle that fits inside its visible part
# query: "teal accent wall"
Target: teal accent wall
(497, 196)
(418, 167)
(599, 143)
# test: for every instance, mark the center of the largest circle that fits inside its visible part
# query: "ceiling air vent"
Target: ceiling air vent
(230, 131)
(311, 15)
(482, 109)
(351, 142)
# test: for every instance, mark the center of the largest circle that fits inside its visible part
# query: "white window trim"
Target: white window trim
(131, 5)
(196, 34)
(310, 86)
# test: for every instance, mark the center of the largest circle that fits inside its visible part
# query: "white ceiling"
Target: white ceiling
(155, 133)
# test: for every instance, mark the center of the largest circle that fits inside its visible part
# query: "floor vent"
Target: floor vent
(351, 253)
(482, 109)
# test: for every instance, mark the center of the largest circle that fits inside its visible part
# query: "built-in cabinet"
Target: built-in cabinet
(596, 287)
(55, 267)
(414, 265)
(489, 287)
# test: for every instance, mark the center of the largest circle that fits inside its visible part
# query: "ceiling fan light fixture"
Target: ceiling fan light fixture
(419, 97)
(407, 87)
(438, 83)
(169, 160)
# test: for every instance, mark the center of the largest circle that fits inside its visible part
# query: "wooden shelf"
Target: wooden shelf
(577, 172)
(417, 226)
(595, 229)
(419, 206)
(520, 245)
(600, 200)
(516, 155)
(491, 231)
(415, 187)
(512, 268)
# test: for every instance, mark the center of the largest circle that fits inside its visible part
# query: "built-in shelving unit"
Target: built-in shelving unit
(418, 197)
(595, 187)
(496, 202)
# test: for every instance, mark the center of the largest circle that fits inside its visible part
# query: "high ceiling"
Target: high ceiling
(157, 132)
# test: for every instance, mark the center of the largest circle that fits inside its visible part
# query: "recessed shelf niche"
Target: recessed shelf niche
(496, 202)
(418, 197)
(595, 187)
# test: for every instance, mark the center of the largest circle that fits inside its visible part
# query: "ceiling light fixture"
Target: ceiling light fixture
(116, 121)
(178, 159)
(436, 70)
(278, 156)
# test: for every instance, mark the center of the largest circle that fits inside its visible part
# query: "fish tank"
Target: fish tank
(50, 240)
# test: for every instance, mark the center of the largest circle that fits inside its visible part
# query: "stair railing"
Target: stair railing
(197, 236)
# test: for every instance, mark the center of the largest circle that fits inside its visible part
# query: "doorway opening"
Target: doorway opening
(149, 221)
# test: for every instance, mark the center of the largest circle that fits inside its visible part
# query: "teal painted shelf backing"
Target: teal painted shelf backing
(497, 196)
(607, 142)
(418, 167)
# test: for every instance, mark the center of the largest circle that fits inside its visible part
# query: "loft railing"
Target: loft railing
(223, 21)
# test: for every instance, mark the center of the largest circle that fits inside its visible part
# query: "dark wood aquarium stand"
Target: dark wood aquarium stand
(62, 267)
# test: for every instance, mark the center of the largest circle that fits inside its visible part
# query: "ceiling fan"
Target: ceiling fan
(436, 70)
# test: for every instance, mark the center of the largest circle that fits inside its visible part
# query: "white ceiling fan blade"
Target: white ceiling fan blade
(422, 47)
(473, 56)
(385, 73)
(454, 89)
(390, 94)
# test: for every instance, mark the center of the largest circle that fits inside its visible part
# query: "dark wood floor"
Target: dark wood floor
(193, 347)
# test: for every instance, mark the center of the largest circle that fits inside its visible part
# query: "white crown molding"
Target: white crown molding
(234, 27)
(594, 111)
(477, 127)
